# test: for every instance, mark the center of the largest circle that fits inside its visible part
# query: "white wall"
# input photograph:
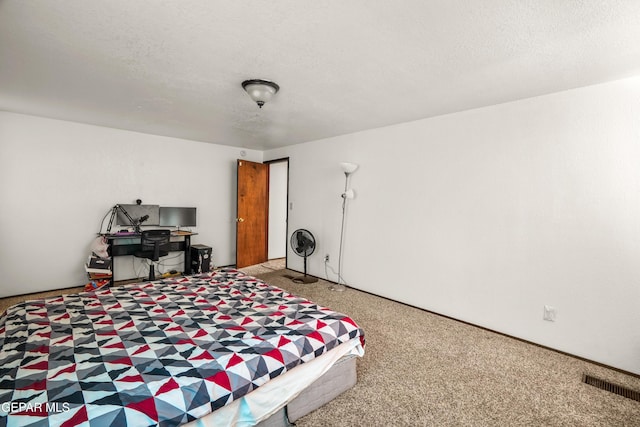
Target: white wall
(277, 210)
(487, 215)
(58, 180)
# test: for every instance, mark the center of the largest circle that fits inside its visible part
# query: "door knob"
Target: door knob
(239, 219)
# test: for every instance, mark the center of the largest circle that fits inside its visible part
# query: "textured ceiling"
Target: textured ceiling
(175, 67)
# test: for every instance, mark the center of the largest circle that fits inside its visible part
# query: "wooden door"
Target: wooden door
(253, 213)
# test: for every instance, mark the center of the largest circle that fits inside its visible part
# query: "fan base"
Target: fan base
(305, 279)
(338, 288)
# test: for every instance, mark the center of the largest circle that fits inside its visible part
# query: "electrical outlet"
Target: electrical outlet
(549, 313)
(326, 258)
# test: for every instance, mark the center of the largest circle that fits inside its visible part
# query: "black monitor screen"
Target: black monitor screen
(136, 212)
(177, 217)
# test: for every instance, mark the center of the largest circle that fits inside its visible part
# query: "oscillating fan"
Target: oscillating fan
(303, 244)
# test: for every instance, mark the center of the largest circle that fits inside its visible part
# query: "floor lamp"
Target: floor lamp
(348, 169)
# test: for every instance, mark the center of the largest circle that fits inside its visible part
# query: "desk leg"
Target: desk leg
(113, 262)
(187, 255)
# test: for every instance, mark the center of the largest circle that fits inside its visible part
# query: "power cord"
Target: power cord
(102, 222)
(326, 273)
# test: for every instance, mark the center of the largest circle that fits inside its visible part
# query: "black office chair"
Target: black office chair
(154, 244)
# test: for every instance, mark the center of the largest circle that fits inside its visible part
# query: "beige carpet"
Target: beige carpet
(421, 369)
(265, 267)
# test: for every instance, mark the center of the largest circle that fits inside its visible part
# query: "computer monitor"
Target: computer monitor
(177, 217)
(138, 211)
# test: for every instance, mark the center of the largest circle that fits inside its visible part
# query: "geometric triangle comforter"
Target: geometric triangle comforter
(155, 353)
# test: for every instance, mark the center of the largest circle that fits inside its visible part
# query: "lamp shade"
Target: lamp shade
(348, 167)
(260, 91)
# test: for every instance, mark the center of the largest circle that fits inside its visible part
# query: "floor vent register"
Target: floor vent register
(611, 387)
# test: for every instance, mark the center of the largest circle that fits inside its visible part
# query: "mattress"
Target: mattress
(163, 353)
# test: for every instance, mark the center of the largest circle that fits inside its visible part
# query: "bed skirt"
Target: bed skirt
(340, 378)
(292, 395)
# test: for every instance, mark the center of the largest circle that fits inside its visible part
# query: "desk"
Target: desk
(129, 244)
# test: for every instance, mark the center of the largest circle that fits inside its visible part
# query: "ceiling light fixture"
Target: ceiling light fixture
(260, 91)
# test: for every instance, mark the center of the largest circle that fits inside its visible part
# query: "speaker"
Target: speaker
(200, 259)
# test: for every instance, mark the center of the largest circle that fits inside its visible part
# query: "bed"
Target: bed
(221, 348)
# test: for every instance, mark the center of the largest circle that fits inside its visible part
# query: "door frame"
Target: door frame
(286, 237)
(266, 211)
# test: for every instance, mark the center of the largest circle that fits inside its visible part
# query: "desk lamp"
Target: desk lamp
(134, 223)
